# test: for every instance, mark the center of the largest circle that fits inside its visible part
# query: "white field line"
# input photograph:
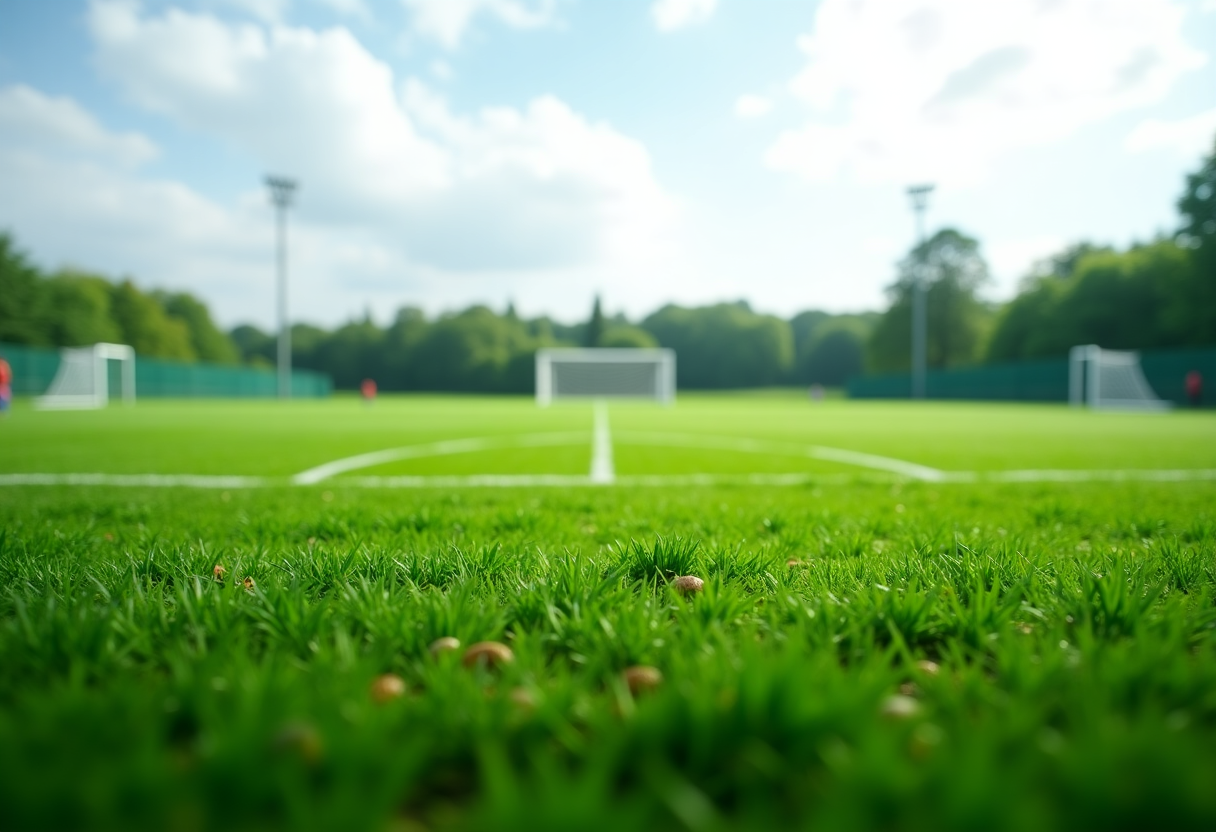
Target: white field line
(862, 460)
(450, 446)
(642, 480)
(472, 481)
(150, 480)
(1109, 475)
(602, 472)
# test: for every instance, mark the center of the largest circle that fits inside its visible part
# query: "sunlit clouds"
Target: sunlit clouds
(398, 189)
(447, 20)
(942, 89)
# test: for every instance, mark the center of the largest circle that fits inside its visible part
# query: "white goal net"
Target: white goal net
(603, 373)
(1109, 379)
(83, 378)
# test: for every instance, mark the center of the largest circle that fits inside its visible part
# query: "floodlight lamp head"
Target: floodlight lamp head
(919, 195)
(281, 190)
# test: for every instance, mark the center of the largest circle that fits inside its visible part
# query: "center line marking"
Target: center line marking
(602, 472)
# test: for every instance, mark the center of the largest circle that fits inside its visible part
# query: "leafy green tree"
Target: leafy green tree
(206, 339)
(805, 326)
(1118, 300)
(724, 346)
(307, 341)
(956, 317)
(1194, 309)
(836, 354)
(594, 332)
(351, 353)
(24, 303)
(474, 350)
(255, 347)
(401, 341)
(146, 327)
(84, 310)
(625, 335)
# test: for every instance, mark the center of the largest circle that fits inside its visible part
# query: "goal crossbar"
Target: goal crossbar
(604, 372)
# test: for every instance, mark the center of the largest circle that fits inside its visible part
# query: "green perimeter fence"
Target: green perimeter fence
(33, 369)
(1040, 381)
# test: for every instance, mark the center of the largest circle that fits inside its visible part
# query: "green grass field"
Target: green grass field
(914, 616)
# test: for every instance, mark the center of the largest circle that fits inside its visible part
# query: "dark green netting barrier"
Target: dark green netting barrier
(33, 369)
(1040, 381)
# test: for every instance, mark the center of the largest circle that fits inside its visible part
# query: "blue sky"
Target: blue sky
(541, 151)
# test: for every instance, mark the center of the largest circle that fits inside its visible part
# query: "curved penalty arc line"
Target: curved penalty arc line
(442, 448)
(758, 446)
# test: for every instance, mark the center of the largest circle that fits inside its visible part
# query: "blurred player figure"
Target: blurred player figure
(368, 390)
(1194, 387)
(816, 393)
(6, 385)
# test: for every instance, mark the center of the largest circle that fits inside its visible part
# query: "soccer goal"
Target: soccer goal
(83, 378)
(1109, 379)
(601, 373)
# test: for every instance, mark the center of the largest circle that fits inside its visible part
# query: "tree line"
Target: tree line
(1156, 294)
(71, 308)
(721, 346)
(477, 349)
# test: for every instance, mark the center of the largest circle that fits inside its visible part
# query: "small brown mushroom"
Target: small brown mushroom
(688, 584)
(387, 687)
(489, 653)
(446, 644)
(899, 707)
(642, 678)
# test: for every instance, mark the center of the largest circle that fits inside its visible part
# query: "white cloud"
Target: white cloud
(670, 15)
(447, 20)
(1189, 137)
(270, 11)
(940, 89)
(352, 8)
(401, 198)
(752, 106)
(32, 120)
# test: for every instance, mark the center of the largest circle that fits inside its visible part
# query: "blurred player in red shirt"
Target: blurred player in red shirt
(6, 385)
(368, 389)
(1194, 387)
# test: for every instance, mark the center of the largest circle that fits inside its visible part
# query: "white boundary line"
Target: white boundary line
(602, 472)
(862, 460)
(151, 480)
(641, 480)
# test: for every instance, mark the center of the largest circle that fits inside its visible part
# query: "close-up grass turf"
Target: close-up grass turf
(867, 652)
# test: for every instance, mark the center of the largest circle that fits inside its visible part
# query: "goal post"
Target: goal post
(83, 378)
(603, 373)
(1110, 380)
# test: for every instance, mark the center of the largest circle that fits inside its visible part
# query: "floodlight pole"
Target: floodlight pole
(281, 192)
(920, 199)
